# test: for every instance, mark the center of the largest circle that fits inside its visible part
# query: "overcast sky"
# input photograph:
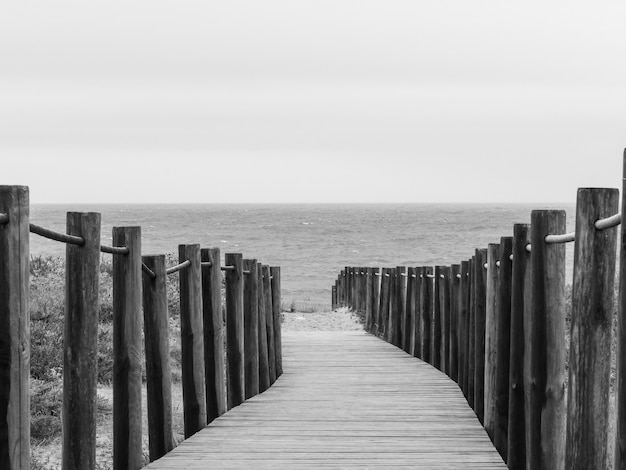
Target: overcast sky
(312, 101)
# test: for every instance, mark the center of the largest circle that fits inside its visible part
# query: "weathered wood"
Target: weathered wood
(368, 300)
(444, 305)
(127, 416)
(426, 309)
(213, 321)
(332, 409)
(400, 302)
(251, 327)
(437, 317)
(234, 330)
(455, 271)
(333, 297)
(544, 355)
(14, 330)
(463, 326)
(375, 299)
(276, 295)
(591, 330)
(480, 281)
(471, 327)
(516, 447)
(385, 280)
(192, 340)
(409, 326)
(80, 348)
(157, 346)
(491, 308)
(264, 367)
(418, 322)
(619, 461)
(269, 323)
(503, 335)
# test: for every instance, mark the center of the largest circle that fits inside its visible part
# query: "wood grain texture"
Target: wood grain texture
(544, 356)
(276, 298)
(437, 320)
(385, 280)
(158, 369)
(480, 279)
(426, 311)
(619, 461)
(516, 444)
(80, 348)
(455, 282)
(491, 306)
(213, 321)
(345, 400)
(14, 330)
(444, 305)
(127, 452)
(234, 330)
(269, 323)
(409, 325)
(264, 367)
(251, 326)
(591, 330)
(471, 338)
(463, 327)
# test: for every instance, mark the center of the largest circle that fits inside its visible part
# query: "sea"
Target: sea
(310, 242)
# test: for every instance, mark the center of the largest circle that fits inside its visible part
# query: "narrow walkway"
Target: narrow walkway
(345, 400)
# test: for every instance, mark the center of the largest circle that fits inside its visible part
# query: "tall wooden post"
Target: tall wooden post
(234, 329)
(127, 452)
(269, 323)
(213, 321)
(192, 340)
(619, 462)
(264, 367)
(544, 356)
(14, 329)
(375, 299)
(444, 305)
(491, 308)
(471, 327)
(426, 307)
(409, 326)
(437, 320)
(480, 281)
(455, 271)
(369, 293)
(591, 331)
(251, 326)
(80, 348)
(385, 280)
(516, 445)
(503, 332)
(158, 370)
(463, 327)
(276, 292)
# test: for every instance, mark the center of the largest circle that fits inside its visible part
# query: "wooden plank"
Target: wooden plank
(127, 452)
(80, 347)
(14, 329)
(345, 400)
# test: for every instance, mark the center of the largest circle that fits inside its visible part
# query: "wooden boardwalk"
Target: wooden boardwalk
(345, 400)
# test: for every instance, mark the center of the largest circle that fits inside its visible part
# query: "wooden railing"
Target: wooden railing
(496, 324)
(222, 364)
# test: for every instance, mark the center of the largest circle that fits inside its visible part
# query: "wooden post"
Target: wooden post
(503, 351)
(127, 452)
(394, 317)
(426, 297)
(264, 366)
(400, 306)
(619, 462)
(157, 345)
(14, 330)
(234, 330)
(213, 321)
(269, 323)
(333, 297)
(471, 327)
(590, 331)
(275, 277)
(369, 311)
(409, 324)
(192, 340)
(375, 299)
(463, 327)
(480, 280)
(516, 448)
(251, 327)
(491, 308)
(455, 271)
(385, 280)
(436, 339)
(80, 356)
(544, 355)
(444, 305)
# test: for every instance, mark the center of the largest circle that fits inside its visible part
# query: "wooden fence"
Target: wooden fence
(222, 364)
(496, 324)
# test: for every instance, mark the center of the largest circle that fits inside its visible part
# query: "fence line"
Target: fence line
(208, 384)
(495, 323)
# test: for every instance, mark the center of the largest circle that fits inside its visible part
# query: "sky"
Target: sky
(311, 101)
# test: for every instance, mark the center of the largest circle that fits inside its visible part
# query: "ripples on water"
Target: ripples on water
(311, 243)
